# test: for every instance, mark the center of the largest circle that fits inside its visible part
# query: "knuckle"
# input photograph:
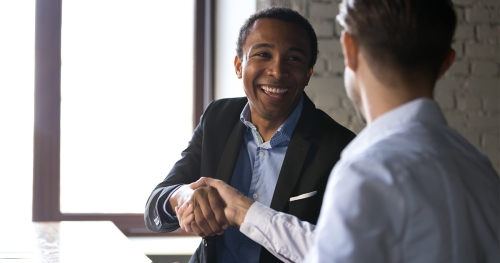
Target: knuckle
(221, 220)
(210, 216)
(201, 223)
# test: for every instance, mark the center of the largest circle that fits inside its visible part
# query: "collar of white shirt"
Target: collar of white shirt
(422, 110)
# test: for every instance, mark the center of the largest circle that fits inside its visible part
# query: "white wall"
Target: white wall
(230, 16)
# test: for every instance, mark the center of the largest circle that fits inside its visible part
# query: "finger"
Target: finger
(179, 218)
(187, 209)
(195, 229)
(204, 181)
(201, 220)
(179, 210)
(216, 203)
(187, 223)
(214, 213)
(205, 220)
(187, 217)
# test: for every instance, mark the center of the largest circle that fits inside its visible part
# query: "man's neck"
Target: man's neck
(388, 103)
(379, 98)
(266, 127)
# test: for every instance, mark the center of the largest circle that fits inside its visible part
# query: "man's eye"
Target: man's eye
(264, 55)
(294, 59)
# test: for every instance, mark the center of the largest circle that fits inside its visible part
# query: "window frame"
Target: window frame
(47, 111)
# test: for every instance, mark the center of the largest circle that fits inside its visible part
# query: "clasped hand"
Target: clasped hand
(213, 207)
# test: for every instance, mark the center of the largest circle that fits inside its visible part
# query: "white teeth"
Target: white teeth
(273, 90)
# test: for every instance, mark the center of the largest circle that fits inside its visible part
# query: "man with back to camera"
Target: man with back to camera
(273, 146)
(408, 188)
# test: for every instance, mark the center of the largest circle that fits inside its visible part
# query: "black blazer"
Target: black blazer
(314, 148)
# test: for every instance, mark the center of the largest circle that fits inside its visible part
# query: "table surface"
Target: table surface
(67, 241)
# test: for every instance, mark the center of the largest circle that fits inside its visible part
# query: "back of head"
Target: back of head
(412, 37)
(284, 14)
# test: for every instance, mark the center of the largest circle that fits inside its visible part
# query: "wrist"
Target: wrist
(242, 205)
(180, 196)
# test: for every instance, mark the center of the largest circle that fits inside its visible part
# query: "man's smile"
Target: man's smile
(273, 90)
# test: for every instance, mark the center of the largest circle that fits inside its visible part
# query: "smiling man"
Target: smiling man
(275, 66)
(274, 146)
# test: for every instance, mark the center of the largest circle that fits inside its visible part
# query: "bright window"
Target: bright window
(126, 100)
(17, 31)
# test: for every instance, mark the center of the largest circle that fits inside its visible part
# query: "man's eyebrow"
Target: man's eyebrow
(262, 45)
(296, 49)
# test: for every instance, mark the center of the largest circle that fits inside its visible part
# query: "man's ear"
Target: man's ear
(350, 50)
(448, 61)
(237, 66)
(309, 74)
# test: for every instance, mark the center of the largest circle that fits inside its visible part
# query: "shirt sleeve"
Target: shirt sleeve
(362, 216)
(285, 236)
(170, 216)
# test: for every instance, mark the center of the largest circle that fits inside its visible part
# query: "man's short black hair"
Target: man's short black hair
(284, 14)
(411, 36)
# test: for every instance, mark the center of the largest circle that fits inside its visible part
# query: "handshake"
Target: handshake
(208, 206)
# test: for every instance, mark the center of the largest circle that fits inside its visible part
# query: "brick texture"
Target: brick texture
(469, 93)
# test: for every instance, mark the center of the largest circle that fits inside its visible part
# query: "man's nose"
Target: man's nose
(277, 68)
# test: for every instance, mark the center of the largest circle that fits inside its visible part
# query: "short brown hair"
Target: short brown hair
(412, 36)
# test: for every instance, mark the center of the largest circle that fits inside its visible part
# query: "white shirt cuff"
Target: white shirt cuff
(256, 220)
(262, 226)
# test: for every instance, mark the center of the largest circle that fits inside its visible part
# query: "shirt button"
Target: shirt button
(261, 154)
(255, 196)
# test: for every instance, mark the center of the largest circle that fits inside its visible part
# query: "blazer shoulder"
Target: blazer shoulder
(227, 104)
(223, 110)
(327, 122)
(322, 123)
(329, 125)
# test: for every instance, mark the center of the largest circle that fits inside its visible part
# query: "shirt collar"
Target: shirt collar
(284, 132)
(422, 110)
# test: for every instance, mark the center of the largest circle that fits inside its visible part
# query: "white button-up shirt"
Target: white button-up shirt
(407, 189)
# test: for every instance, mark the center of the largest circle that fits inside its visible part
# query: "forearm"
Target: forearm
(156, 217)
(239, 209)
(285, 236)
(181, 195)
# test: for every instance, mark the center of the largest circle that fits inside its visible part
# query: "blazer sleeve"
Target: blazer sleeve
(186, 170)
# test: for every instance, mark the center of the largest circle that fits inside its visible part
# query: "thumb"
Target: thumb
(201, 182)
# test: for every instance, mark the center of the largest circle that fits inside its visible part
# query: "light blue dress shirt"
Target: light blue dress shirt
(255, 175)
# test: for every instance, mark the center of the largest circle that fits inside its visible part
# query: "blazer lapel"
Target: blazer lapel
(230, 154)
(294, 158)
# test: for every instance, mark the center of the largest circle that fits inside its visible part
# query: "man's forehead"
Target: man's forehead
(272, 22)
(274, 29)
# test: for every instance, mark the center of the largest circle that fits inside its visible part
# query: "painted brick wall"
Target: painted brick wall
(469, 93)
